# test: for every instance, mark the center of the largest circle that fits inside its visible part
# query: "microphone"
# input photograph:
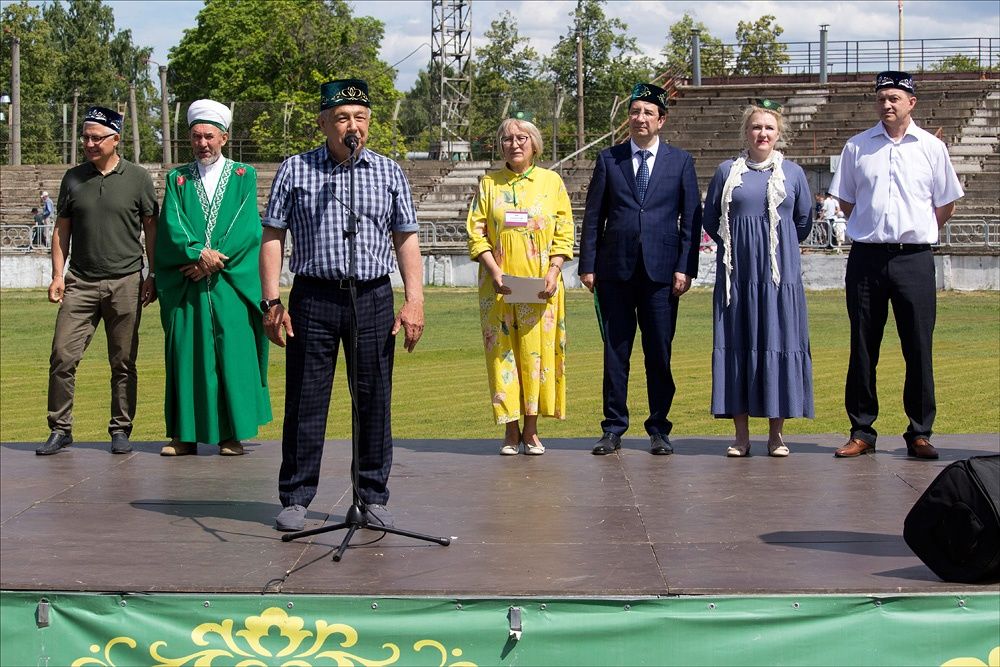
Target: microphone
(351, 141)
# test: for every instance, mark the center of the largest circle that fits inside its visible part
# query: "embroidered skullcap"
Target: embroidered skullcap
(770, 105)
(211, 112)
(105, 117)
(647, 92)
(894, 79)
(343, 91)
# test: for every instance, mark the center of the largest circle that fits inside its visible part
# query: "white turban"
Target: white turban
(212, 112)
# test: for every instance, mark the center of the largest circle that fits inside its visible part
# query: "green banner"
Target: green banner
(85, 630)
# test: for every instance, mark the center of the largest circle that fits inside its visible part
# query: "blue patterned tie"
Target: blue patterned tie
(642, 175)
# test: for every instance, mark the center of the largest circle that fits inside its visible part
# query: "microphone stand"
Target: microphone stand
(357, 515)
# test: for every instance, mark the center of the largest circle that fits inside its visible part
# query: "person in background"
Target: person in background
(897, 186)
(38, 227)
(758, 209)
(521, 224)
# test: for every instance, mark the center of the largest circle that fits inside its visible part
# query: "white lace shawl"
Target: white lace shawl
(775, 195)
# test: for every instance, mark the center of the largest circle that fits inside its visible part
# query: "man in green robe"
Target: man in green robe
(207, 279)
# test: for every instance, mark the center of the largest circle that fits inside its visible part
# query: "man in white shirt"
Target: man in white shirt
(830, 208)
(897, 186)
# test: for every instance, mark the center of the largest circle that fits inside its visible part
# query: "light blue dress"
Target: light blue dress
(761, 364)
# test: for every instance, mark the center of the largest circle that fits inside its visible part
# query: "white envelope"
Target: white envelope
(523, 290)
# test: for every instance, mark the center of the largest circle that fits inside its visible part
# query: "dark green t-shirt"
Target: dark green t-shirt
(106, 215)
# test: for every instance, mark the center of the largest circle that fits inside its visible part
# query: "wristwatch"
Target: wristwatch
(267, 304)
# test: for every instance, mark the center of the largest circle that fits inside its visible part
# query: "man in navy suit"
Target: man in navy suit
(639, 252)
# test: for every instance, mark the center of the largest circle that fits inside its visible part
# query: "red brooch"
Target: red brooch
(180, 181)
(240, 171)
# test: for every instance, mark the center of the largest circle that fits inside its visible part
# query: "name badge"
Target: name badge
(515, 219)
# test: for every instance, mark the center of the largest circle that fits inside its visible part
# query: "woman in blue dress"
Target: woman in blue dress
(757, 210)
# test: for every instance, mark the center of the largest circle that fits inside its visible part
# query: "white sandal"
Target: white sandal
(738, 451)
(777, 449)
(510, 450)
(535, 448)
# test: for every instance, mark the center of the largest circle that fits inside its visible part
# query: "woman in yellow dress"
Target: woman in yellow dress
(521, 224)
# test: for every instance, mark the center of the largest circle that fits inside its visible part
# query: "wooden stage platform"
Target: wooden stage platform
(564, 524)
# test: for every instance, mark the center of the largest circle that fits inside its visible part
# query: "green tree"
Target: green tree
(100, 63)
(611, 67)
(760, 51)
(279, 53)
(957, 63)
(418, 111)
(677, 51)
(506, 81)
(39, 65)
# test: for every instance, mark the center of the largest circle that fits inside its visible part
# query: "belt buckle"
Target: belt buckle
(897, 247)
(343, 283)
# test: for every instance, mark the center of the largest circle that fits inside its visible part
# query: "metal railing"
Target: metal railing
(25, 238)
(959, 233)
(975, 54)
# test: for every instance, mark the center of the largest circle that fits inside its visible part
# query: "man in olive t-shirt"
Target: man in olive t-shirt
(104, 206)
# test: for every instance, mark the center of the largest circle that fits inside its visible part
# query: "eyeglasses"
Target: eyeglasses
(520, 140)
(92, 139)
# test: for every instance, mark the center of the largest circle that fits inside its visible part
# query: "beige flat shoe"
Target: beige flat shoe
(231, 448)
(534, 448)
(777, 449)
(738, 451)
(510, 450)
(177, 448)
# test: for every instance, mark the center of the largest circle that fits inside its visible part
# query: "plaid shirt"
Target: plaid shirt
(310, 196)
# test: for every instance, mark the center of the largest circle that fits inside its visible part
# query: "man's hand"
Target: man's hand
(193, 271)
(588, 280)
(682, 283)
(148, 291)
(411, 320)
(277, 322)
(56, 289)
(211, 261)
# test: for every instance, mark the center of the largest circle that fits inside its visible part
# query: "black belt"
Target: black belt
(896, 247)
(340, 283)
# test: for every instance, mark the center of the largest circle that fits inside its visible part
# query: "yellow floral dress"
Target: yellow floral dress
(525, 343)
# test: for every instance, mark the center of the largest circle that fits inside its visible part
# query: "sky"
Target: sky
(161, 23)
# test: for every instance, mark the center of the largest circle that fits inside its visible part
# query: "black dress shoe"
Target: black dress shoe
(57, 440)
(608, 443)
(660, 445)
(120, 443)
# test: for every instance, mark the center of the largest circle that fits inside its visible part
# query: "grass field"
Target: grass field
(440, 389)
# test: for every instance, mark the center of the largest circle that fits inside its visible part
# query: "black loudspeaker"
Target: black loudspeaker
(955, 526)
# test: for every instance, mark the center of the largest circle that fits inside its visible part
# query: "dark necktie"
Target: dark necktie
(642, 175)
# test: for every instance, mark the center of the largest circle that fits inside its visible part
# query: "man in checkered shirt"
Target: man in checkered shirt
(310, 198)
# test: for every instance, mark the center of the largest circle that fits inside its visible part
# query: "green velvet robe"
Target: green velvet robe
(215, 346)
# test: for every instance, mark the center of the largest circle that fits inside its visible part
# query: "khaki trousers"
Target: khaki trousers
(84, 304)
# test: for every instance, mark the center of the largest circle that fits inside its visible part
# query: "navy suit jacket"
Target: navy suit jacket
(665, 227)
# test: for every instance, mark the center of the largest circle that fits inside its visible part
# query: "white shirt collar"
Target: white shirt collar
(652, 148)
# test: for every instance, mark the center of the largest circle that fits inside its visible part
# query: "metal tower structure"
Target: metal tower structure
(451, 54)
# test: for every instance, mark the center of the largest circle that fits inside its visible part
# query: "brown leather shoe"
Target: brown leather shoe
(921, 448)
(854, 447)
(177, 448)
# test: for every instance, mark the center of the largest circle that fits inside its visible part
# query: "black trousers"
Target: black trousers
(321, 319)
(626, 304)
(877, 275)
